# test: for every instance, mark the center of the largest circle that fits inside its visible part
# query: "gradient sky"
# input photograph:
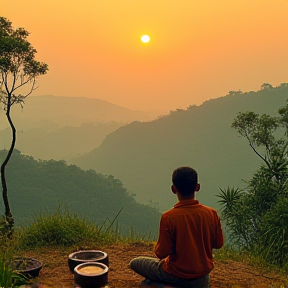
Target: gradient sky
(199, 49)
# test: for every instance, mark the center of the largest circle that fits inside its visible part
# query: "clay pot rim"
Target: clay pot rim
(27, 269)
(105, 269)
(87, 260)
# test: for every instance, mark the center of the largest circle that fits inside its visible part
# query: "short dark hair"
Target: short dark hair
(185, 180)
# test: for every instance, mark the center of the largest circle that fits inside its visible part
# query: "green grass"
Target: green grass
(8, 277)
(64, 228)
(254, 259)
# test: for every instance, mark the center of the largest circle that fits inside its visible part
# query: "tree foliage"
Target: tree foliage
(18, 73)
(39, 187)
(257, 216)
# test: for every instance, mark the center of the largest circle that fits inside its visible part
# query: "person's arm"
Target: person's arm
(164, 246)
(219, 238)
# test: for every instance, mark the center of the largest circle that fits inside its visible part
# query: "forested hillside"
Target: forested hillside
(41, 186)
(143, 155)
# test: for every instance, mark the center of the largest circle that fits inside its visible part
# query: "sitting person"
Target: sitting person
(187, 234)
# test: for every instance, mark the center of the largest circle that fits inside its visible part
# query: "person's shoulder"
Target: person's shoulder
(168, 213)
(209, 209)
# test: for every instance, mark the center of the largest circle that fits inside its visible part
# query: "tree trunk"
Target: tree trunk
(9, 220)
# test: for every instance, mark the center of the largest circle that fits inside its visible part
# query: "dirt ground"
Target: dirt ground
(55, 272)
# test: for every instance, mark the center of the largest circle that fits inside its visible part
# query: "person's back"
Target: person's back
(192, 230)
(187, 234)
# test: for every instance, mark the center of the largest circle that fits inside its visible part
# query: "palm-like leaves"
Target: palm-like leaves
(236, 215)
(229, 197)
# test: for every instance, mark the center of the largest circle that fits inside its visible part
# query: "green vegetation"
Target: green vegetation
(8, 277)
(59, 228)
(257, 216)
(229, 252)
(63, 228)
(41, 187)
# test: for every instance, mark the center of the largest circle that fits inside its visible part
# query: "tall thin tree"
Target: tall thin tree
(18, 73)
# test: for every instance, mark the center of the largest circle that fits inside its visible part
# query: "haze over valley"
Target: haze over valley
(142, 154)
(53, 127)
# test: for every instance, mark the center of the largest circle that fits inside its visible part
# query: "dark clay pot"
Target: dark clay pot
(29, 267)
(86, 256)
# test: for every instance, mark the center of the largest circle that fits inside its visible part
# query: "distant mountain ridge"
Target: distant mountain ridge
(52, 127)
(143, 155)
(74, 111)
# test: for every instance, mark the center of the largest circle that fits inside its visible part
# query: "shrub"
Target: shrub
(62, 228)
(274, 239)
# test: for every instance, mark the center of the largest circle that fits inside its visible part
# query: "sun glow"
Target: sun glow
(145, 38)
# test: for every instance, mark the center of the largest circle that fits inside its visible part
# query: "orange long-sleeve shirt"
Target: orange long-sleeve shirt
(188, 233)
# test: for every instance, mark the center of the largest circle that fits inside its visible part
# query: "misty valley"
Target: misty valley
(96, 167)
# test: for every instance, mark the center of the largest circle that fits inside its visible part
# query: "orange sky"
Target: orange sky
(199, 49)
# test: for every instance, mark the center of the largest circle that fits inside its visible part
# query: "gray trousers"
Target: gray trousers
(150, 268)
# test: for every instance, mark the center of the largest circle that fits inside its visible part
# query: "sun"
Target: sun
(145, 38)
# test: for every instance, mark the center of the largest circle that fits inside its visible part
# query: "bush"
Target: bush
(274, 239)
(257, 217)
(62, 228)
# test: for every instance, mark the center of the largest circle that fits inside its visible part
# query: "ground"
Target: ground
(55, 272)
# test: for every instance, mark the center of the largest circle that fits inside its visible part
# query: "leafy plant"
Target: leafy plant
(229, 198)
(236, 216)
(257, 216)
(274, 233)
(8, 277)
